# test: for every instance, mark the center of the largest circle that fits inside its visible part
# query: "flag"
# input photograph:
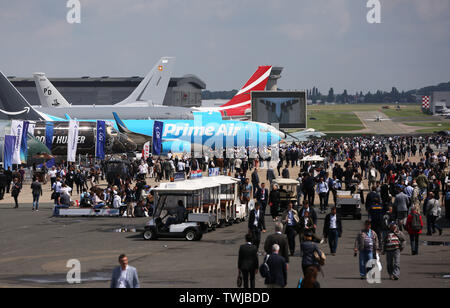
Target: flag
(24, 142)
(17, 130)
(157, 137)
(8, 151)
(49, 135)
(100, 144)
(146, 151)
(72, 141)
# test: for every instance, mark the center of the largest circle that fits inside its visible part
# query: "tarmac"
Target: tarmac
(36, 249)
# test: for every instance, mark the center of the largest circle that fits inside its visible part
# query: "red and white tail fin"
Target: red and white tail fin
(242, 101)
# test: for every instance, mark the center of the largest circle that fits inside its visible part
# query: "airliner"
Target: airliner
(146, 101)
(207, 129)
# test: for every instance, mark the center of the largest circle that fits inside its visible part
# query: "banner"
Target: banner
(49, 135)
(72, 141)
(157, 137)
(214, 171)
(24, 143)
(196, 174)
(8, 151)
(31, 128)
(146, 151)
(17, 130)
(100, 145)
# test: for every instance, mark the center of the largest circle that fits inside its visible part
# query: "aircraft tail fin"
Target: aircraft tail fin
(13, 105)
(241, 102)
(153, 87)
(49, 96)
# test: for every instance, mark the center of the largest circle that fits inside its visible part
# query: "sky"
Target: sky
(323, 43)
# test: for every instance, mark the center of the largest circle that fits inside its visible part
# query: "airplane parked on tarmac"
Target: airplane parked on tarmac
(146, 101)
(207, 129)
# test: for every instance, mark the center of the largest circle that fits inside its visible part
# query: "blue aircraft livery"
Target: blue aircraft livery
(207, 130)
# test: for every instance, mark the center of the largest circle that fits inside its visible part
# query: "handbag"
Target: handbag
(239, 280)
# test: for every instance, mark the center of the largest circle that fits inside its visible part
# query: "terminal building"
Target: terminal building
(183, 91)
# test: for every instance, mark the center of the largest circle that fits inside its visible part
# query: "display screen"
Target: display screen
(288, 109)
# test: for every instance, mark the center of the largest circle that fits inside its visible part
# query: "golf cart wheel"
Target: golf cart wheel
(149, 235)
(190, 235)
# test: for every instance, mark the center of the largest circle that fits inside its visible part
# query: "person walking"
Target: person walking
(310, 252)
(322, 191)
(367, 245)
(274, 202)
(256, 224)
(414, 226)
(15, 191)
(277, 268)
(248, 262)
(124, 276)
(432, 212)
(332, 230)
(280, 239)
(36, 190)
(290, 220)
(401, 208)
(392, 246)
(262, 196)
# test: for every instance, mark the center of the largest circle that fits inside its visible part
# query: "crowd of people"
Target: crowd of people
(402, 181)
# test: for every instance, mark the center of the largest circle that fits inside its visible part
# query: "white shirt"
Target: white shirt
(256, 218)
(333, 223)
(123, 278)
(52, 173)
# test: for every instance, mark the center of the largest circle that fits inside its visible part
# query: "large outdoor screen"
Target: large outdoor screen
(288, 109)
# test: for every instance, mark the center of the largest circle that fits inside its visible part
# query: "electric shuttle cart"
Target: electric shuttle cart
(199, 201)
(348, 204)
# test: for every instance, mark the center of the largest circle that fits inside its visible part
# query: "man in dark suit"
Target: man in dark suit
(262, 196)
(280, 239)
(248, 263)
(332, 230)
(256, 224)
(255, 180)
(277, 269)
(291, 220)
(307, 208)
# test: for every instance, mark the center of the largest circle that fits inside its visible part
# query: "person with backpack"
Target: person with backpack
(274, 269)
(392, 246)
(414, 226)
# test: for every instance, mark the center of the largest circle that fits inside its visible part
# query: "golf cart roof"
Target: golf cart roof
(185, 186)
(285, 182)
(223, 180)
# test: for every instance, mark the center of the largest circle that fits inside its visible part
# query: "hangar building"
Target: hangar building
(183, 91)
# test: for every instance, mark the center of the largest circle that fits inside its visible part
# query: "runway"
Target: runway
(385, 127)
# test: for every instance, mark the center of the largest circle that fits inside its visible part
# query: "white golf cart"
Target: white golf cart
(231, 208)
(194, 196)
(288, 192)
